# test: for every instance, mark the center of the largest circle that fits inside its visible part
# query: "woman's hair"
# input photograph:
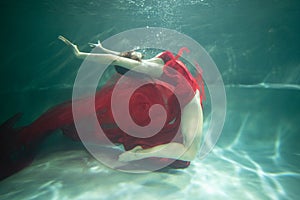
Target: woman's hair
(132, 55)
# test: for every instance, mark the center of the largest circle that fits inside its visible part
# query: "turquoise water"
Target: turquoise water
(255, 45)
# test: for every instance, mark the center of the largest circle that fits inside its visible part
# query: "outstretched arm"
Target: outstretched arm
(101, 58)
(191, 127)
(99, 45)
(152, 67)
(128, 54)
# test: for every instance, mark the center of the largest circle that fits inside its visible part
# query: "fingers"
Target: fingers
(65, 40)
(99, 45)
(131, 155)
(92, 45)
(136, 149)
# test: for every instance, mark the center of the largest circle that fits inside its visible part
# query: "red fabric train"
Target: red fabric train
(18, 145)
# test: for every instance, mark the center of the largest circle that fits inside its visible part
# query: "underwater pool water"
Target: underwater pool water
(256, 48)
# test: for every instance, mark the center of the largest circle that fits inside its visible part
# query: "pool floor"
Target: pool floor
(257, 157)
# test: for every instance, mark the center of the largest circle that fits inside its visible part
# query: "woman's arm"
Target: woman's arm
(152, 67)
(99, 45)
(191, 127)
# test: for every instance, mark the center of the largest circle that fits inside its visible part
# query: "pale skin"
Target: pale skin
(191, 116)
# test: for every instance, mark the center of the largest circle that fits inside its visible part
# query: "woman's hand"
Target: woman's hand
(93, 45)
(99, 46)
(131, 155)
(73, 46)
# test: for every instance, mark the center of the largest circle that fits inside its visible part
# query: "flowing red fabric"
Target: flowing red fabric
(157, 92)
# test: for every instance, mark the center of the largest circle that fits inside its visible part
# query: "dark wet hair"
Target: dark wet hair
(129, 54)
(126, 54)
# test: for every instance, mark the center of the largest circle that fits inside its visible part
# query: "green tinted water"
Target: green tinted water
(255, 45)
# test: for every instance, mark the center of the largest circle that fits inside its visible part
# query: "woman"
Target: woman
(18, 145)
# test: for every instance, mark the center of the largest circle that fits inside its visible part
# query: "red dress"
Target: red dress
(155, 92)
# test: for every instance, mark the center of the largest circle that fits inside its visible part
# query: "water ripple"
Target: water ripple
(277, 86)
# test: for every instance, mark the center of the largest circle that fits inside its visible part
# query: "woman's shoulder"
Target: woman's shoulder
(165, 56)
